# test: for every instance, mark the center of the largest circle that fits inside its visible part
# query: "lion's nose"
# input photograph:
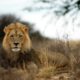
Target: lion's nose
(16, 44)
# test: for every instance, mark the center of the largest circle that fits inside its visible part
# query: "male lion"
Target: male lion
(17, 48)
(17, 58)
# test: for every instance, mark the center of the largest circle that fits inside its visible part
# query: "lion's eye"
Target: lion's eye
(11, 35)
(20, 35)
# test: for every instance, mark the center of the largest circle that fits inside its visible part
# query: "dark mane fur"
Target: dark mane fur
(22, 58)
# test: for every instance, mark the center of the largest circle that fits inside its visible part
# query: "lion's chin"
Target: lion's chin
(16, 49)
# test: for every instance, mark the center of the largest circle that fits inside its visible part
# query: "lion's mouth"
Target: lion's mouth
(15, 49)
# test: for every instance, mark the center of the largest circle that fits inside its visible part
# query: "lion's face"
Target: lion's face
(16, 38)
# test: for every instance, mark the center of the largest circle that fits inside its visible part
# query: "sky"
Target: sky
(11, 5)
(49, 18)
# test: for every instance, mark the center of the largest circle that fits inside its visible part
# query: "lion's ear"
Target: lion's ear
(26, 28)
(5, 29)
(9, 27)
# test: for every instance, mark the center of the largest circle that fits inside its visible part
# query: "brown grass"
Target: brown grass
(71, 49)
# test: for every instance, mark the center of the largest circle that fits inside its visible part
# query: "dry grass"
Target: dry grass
(71, 49)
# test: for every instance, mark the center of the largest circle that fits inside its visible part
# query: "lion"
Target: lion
(17, 46)
(17, 57)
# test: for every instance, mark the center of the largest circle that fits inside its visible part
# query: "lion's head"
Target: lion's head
(16, 38)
